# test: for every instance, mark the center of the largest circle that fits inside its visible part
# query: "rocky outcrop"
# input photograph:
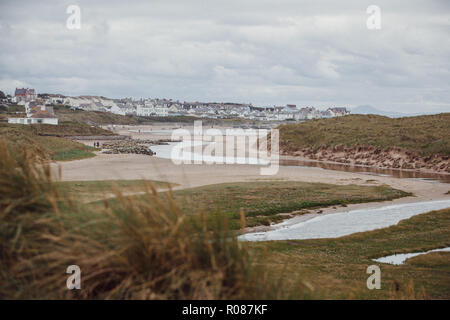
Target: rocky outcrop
(127, 146)
(139, 146)
(155, 142)
(393, 157)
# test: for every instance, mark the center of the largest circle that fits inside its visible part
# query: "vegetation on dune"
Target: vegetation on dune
(424, 135)
(336, 268)
(267, 202)
(145, 250)
(17, 137)
(63, 129)
(47, 140)
(92, 117)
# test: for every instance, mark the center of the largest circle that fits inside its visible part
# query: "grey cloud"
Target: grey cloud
(265, 52)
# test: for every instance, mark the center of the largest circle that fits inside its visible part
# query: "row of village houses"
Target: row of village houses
(168, 107)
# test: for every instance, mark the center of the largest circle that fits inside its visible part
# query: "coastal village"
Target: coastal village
(39, 108)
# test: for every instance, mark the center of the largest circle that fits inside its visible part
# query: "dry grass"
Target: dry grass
(145, 250)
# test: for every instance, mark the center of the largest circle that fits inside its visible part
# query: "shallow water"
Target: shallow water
(400, 258)
(344, 223)
(174, 151)
(396, 173)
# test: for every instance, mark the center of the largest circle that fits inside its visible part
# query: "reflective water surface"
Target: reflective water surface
(344, 223)
(397, 259)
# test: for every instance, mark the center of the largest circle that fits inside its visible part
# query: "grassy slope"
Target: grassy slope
(336, 268)
(67, 128)
(425, 135)
(94, 117)
(19, 136)
(46, 139)
(262, 202)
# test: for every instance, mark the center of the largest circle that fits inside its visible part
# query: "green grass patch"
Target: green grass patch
(264, 202)
(72, 154)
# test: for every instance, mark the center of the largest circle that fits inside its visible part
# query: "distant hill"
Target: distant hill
(368, 109)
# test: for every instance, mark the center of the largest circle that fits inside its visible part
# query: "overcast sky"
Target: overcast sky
(317, 53)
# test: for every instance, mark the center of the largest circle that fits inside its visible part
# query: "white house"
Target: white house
(53, 121)
(123, 109)
(35, 115)
(150, 109)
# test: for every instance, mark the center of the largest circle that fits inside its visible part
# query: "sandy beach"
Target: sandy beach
(133, 166)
